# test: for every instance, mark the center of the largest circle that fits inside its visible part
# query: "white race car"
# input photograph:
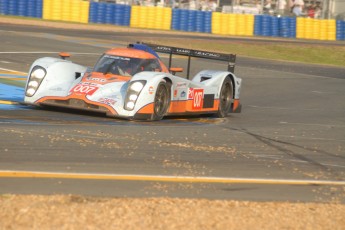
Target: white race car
(134, 83)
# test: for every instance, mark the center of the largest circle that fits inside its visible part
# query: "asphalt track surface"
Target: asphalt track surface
(288, 144)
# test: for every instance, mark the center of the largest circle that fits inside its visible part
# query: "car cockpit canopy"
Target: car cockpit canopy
(125, 66)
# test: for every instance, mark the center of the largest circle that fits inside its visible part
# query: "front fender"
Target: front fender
(60, 75)
(147, 94)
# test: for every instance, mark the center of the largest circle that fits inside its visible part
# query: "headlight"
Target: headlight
(38, 73)
(137, 86)
(133, 97)
(33, 84)
(35, 78)
(133, 92)
(30, 92)
(130, 105)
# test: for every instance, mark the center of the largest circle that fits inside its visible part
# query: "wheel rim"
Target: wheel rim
(161, 101)
(225, 97)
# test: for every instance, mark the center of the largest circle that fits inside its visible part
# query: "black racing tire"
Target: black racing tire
(225, 98)
(161, 102)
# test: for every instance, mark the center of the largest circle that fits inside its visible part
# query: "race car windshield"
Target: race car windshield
(125, 66)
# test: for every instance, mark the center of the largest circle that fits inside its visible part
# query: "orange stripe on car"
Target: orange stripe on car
(235, 104)
(147, 109)
(177, 107)
(191, 109)
(187, 106)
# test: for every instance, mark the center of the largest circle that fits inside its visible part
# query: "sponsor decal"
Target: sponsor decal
(107, 101)
(96, 79)
(89, 83)
(190, 93)
(84, 88)
(151, 90)
(183, 94)
(162, 48)
(207, 54)
(175, 93)
(117, 57)
(184, 51)
(58, 89)
(181, 85)
(197, 95)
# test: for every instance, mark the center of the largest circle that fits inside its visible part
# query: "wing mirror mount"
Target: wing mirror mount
(174, 70)
(64, 55)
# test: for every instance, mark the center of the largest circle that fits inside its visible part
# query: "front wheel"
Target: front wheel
(225, 98)
(161, 102)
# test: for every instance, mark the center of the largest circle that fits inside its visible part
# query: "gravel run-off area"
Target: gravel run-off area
(78, 212)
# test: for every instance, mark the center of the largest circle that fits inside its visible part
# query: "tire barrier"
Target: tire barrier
(232, 24)
(85, 11)
(308, 28)
(340, 30)
(3, 7)
(257, 25)
(287, 27)
(24, 8)
(266, 25)
(191, 20)
(109, 13)
(151, 17)
(66, 10)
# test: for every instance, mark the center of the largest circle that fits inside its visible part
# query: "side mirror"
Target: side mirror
(64, 55)
(174, 70)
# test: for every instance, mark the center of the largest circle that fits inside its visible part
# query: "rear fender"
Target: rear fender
(215, 78)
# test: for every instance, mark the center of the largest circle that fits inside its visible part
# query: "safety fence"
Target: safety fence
(164, 18)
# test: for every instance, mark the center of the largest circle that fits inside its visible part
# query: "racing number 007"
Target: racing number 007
(198, 95)
(84, 89)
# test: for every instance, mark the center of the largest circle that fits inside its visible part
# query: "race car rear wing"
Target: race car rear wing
(229, 58)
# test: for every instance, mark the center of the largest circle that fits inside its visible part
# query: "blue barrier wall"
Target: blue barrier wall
(3, 7)
(265, 25)
(191, 20)
(340, 30)
(25, 8)
(109, 13)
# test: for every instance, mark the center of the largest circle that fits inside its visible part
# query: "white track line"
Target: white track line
(12, 71)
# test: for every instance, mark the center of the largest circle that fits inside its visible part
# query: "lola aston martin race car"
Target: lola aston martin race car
(134, 83)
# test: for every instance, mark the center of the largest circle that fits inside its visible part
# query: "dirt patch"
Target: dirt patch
(78, 212)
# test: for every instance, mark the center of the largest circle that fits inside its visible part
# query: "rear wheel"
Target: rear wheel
(225, 98)
(161, 102)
